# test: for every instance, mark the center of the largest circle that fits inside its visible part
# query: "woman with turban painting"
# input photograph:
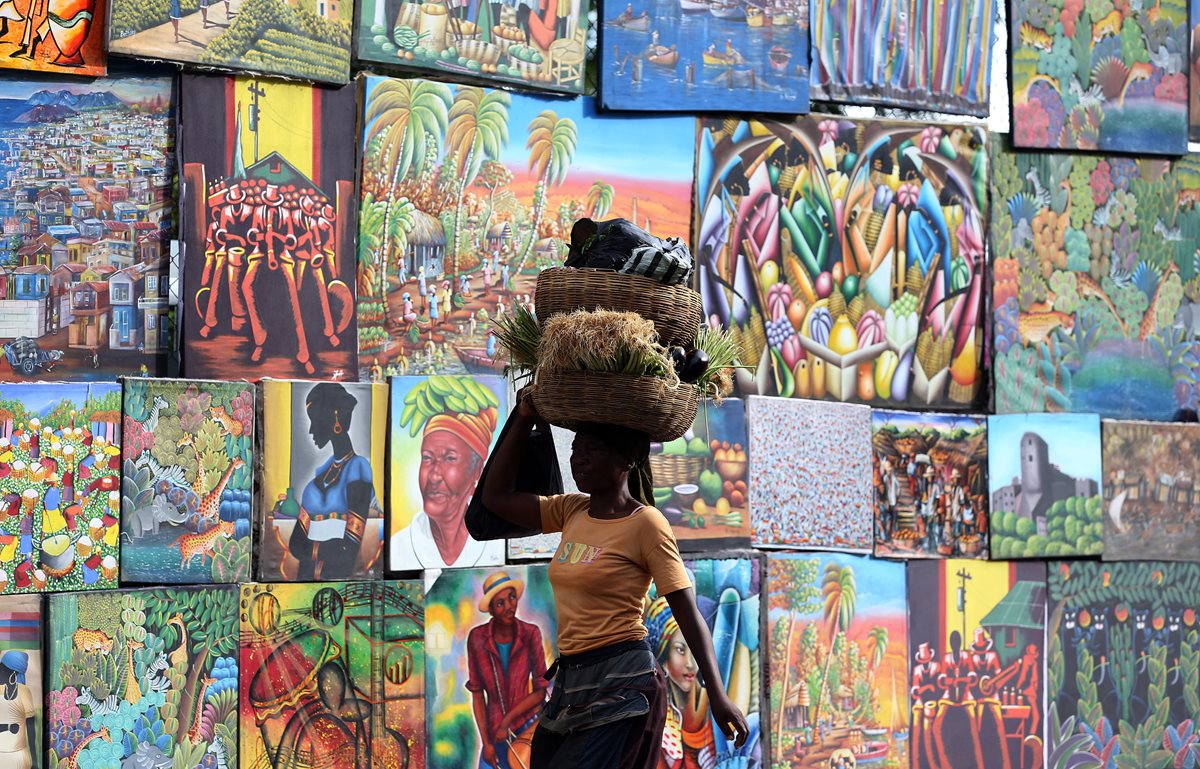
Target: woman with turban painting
(17, 713)
(688, 736)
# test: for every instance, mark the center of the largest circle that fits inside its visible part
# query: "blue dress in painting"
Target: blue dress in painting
(329, 533)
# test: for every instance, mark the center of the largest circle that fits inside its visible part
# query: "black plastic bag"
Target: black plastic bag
(621, 245)
(537, 473)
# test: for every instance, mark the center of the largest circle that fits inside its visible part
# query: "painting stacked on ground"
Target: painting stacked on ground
(846, 256)
(187, 483)
(268, 215)
(307, 40)
(1150, 473)
(689, 55)
(143, 678)
(84, 286)
(977, 635)
(1100, 75)
(542, 45)
(837, 631)
(931, 488)
(21, 669)
(1097, 292)
(911, 53)
(467, 193)
(323, 456)
(57, 36)
(335, 675)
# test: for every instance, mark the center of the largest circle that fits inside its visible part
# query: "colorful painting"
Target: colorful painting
(1044, 472)
(1096, 290)
(306, 40)
(264, 186)
(1194, 74)
(1123, 666)
(188, 457)
(335, 675)
(323, 458)
(919, 54)
(84, 289)
(433, 478)
(977, 635)
(54, 36)
(1150, 472)
(931, 487)
(21, 676)
(540, 46)
(727, 594)
(1108, 76)
(691, 56)
(837, 627)
(143, 678)
(542, 546)
(60, 486)
(510, 174)
(793, 501)
(846, 256)
(468, 695)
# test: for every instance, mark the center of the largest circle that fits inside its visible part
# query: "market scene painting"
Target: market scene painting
(837, 630)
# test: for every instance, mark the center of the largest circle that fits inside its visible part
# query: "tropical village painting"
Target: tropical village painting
(467, 193)
(143, 678)
(1100, 75)
(303, 39)
(837, 631)
(56, 36)
(697, 55)
(86, 226)
(846, 256)
(270, 222)
(188, 476)
(1096, 290)
(542, 45)
(919, 54)
(364, 642)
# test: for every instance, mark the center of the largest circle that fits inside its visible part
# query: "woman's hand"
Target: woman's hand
(525, 407)
(728, 717)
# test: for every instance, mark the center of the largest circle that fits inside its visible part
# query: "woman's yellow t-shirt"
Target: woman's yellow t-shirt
(602, 570)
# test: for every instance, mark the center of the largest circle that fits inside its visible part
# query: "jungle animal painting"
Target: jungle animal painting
(21, 669)
(268, 198)
(186, 490)
(54, 36)
(977, 638)
(837, 631)
(165, 693)
(846, 256)
(1101, 76)
(1096, 291)
(335, 675)
(323, 455)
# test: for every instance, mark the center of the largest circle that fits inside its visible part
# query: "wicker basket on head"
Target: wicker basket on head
(675, 310)
(568, 399)
(674, 469)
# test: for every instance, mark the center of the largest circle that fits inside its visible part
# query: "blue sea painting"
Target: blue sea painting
(696, 55)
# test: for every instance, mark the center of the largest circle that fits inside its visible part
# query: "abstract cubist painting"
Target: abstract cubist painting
(301, 39)
(89, 202)
(143, 678)
(187, 488)
(1150, 472)
(837, 630)
(920, 54)
(1097, 288)
(269, 206)
(846, 256)
(810, 482)
(541, 45)
(931, 488)
(1109, 76)
(443, 429)
(334, 675)
(977, 645)
(54, 36)
(1044, 480)
(700, 479)
(60, 486)
(1123, 665)
(21, 671)
(322, 483)
(468, 193)
(471, 690)
(727, 594)
(690, 55)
